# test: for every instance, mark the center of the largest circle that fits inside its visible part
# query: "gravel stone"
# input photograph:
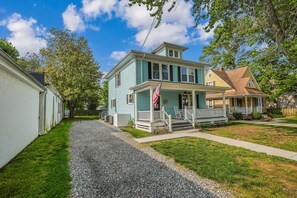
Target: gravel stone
(106, 162)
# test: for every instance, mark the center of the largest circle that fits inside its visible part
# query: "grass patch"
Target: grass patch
(136, 132)
(93, 117)
(246, 173)
(292, 120)
(275, 136)
(41, 169)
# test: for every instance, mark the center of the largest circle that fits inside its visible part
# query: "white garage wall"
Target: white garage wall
(19, 110)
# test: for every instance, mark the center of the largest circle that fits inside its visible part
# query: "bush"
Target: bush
(130, 123)
(217, 124)
(274, 115)
(238, 115)
(256, 115)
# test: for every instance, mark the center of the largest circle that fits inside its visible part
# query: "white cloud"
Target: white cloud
(118, 55)
(95, 8)
(72, 19)
(202, 34)
(173, 28)
(24, 34)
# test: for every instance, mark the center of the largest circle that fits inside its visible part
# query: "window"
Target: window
(184, 75)
(191, 75)
(118, 79)
(165, 72)
(210, 103)
(251, 84)
(209, 75)
(210, 83)
(176, 54)
(173, 53)
(113, 103)
(129, 98)
(156, 71)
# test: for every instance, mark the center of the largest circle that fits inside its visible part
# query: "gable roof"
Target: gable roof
(235, 79)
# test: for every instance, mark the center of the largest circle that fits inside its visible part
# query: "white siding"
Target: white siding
(19, 110)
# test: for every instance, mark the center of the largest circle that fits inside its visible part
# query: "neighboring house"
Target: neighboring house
(21, 109)
(51, 106)
(287, 100)
(182, 101)
(245, 95)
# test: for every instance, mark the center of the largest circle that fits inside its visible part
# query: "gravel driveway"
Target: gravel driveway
(102, 165)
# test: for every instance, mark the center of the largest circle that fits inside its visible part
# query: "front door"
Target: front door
(187, 100)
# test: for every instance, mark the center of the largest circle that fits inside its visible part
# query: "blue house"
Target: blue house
(182, 101)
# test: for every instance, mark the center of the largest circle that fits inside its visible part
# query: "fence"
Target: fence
(285, 112)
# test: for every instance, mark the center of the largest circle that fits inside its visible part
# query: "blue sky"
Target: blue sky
(111, 27)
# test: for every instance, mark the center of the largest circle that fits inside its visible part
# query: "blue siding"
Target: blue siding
(201, 76)
(143, 99)
(202, 100)
(172, 100)
(175, 73)
(162, 52)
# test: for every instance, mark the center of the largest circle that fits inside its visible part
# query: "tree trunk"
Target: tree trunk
(71, 106)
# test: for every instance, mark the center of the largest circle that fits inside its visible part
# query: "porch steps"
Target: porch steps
(181, 125)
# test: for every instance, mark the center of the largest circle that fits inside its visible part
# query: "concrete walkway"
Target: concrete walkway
(271, 123)
(243, 144)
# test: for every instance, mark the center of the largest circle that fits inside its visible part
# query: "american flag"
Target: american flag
(156, 95)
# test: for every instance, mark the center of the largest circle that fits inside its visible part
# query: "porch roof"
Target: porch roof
(178, 86)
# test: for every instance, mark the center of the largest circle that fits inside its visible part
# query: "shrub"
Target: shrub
(248, 117)
(130, 123)
(274, 115)
(256, 115)
(217, 124)
(238, 115)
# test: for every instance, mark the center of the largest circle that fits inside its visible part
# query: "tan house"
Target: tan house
(245, 95)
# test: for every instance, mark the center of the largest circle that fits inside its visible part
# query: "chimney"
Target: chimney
(221, 69)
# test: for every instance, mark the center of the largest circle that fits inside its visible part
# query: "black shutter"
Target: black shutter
(127, 99)
(197, 100)
(196, 75)
(171, 72)
(180, 106)
(149, 70)
(178, 73)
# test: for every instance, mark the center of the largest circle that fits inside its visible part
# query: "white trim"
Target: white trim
(221, 79)
(160, 71)
(129, 100)
(187, 71)
(173, 53)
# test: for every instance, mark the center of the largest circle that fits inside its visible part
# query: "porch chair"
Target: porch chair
(177, 112)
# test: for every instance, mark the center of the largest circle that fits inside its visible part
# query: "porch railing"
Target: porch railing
(145, 115)
(243, 110)
(167, 119)
(209, 113)
(189, 116)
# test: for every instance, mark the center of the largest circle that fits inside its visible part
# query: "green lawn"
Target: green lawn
(136, 132)
(94, 117)
(292, 120)
(41, 169)
(246, 173)
(279, 137)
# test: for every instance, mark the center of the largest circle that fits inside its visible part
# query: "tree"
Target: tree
(261, 34)
(9, 48)
(71, 68)
(104, 94)
(31, 62)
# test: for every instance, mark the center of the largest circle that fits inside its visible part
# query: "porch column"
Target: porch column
(229, 105)
(151, 105)
(260, 104)
(224, 104)
(194, 105)
(135, 106)
(246, 105)
(252, 105)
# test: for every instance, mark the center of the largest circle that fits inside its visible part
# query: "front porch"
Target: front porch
(180, 106)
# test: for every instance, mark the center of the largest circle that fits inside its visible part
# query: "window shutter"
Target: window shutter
(149, 70)
(127, 98)
(171, 72)
(115, 103)
(178, 73)
(180, 106)
(197, 100)
(196, 76)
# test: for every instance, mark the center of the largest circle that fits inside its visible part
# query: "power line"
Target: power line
(152, 25)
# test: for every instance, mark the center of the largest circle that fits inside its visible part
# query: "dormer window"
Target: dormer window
(251, 84)
(173, 53)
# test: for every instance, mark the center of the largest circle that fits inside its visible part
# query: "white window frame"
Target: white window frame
(209, 75)
(189, 68)
(173, 53)
(160, 71)
(113, 103)
(210, 103)
(129, 98)
(188, 74)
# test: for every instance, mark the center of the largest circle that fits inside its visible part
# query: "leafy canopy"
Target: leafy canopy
(9, 48)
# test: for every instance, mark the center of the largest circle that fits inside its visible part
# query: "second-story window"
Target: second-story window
(118, 79)
(165, 72)
(191, 75)
(176, 54)
(156, 71)
(184, 75)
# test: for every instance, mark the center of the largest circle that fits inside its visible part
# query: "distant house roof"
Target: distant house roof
(40, 76)
(169, 45)
(236, 80)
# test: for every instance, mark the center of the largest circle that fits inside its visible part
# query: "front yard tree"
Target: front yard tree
(104, 94)
(71, 68)
(31, 62)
